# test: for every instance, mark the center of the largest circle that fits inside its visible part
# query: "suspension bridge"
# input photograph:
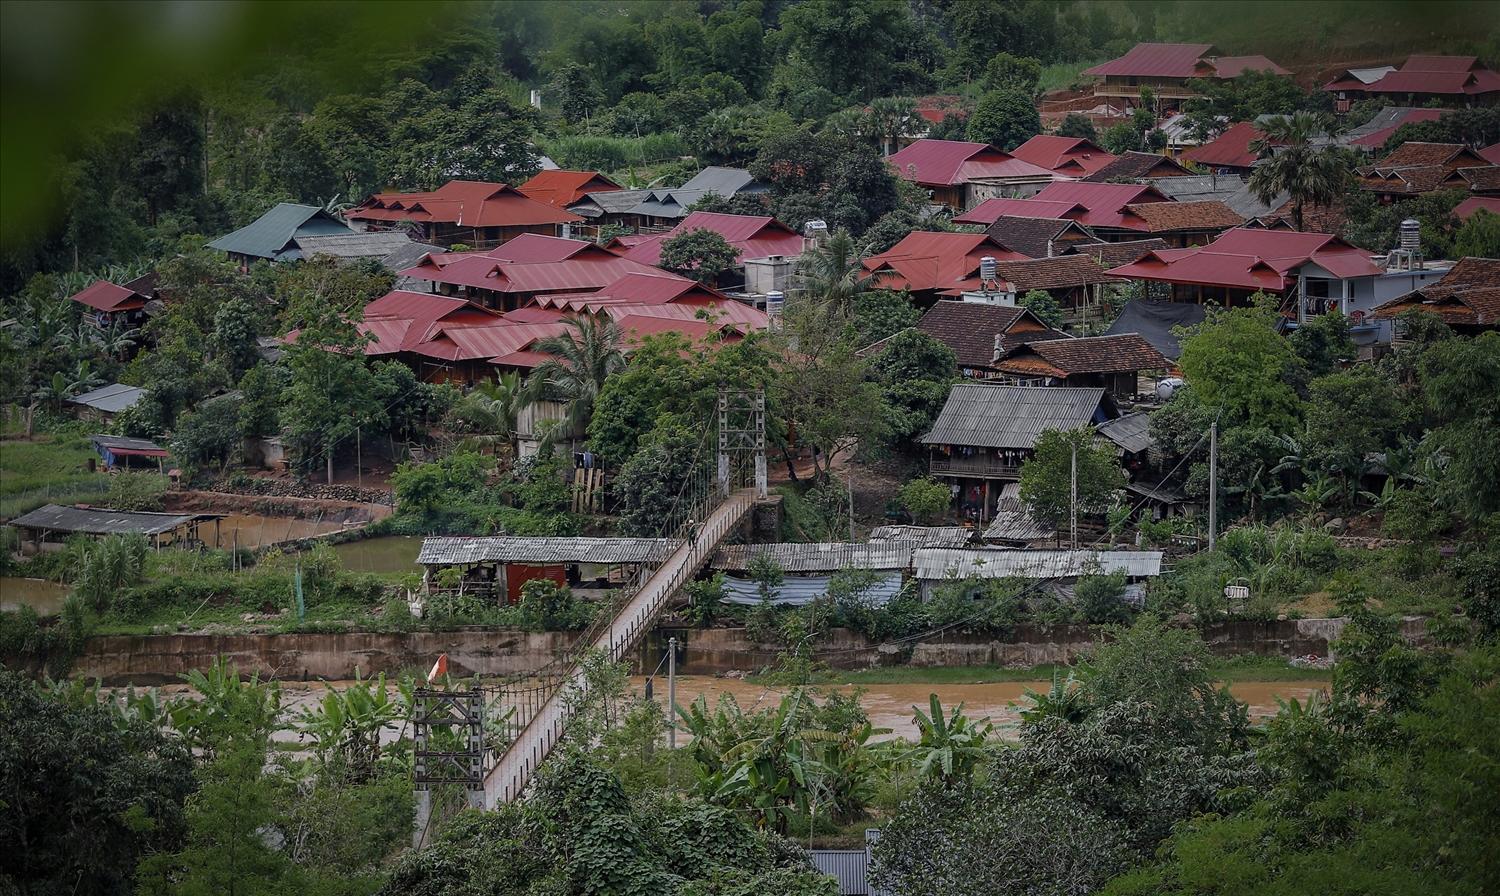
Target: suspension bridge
(708, 507)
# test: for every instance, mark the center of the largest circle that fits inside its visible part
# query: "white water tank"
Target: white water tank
(1411, 235)
(775, 301)
(987, 269)
(1167, 386)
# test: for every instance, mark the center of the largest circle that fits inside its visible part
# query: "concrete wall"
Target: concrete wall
(157, 659)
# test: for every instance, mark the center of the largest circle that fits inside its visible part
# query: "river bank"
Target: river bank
(158, 659)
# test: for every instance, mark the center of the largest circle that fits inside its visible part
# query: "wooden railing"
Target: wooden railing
(975, 466)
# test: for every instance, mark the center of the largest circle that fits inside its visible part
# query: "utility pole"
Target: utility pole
(672, 692)
(1213, 485)
(1073, 499)
(359, 476)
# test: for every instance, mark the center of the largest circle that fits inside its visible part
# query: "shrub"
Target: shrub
(548, 606)
(925, 499)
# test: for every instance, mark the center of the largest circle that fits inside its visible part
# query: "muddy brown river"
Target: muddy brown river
(889, 705)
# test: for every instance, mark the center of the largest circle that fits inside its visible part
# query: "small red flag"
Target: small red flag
(439, 668)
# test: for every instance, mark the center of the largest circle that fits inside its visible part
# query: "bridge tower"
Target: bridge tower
(742, 435)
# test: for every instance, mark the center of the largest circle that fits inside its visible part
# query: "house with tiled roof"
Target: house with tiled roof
(1039, 237)
(1312, 272)
(1229, 152)
(561, 188)
(1134, 165)
(1167, 69)
(928, 263)
(961, 175)
(1186, 223)
(1466, 298)
(1112, 255)
(1071, 157)
(474, 213)
(1415, 168)
(1449, 80)
(978, 332)
(1076, 282)
(1111, 362)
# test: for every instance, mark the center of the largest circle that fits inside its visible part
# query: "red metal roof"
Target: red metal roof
(1234, 66)
(1253, 259)
(636, 288)
(402, 321)
(1104, 204)
(532, 314)
(560, 189)
(531, 248)
(1159, 61)
(925, 260)
(992, 210)
(1466, 209)
(1490, 154)
(1072, 156)
(464, 203)
(1448, 75)
(1376, 139)
(743, 316)
(752, 236)
(469, 343)
(103, 295)
(586, 271)
(944, 163)
(1230, 149)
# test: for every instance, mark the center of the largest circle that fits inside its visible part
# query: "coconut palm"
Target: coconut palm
(890, 119)
(1308, 174)
(581, 361)
(832, 273)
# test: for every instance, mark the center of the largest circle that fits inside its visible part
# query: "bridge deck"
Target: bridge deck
(508, 778)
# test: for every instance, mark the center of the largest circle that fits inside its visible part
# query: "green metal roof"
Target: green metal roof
(272, 233)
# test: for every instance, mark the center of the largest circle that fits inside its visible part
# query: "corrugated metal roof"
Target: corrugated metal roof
(799, 591)
(110, 399)
(926, 536)
(272, 233)
(991, 415)
(996, 563)
(849, 867)
(447, 550)
(465, 203)
(103, 521)
(752, 236)
(1131, 432)
(612, 202)
(1150, 60)
(369, 244)
(562, 188)
(1073, 156)
(1104, 203)
(106, 296)
(1231, 149)
(824, 557)
(1253, 258)
(124, 443)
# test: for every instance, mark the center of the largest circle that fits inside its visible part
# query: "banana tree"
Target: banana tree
(949, 747)
(345, 726)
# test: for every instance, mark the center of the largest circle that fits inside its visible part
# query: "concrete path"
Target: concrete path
(508, 778)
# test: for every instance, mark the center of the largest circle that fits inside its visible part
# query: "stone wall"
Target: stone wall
(155, 659)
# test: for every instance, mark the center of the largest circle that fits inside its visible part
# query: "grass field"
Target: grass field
(47, 469)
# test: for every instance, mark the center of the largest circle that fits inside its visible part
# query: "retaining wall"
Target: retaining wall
(156, 659)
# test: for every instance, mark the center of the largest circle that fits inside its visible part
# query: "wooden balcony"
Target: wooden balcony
(977, 466)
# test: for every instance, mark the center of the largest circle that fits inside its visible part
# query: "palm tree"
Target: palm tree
(832, 273)
(492, 410)
(1308, 174)
(582, 360)
(890, 119)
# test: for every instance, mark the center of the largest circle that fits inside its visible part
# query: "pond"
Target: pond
(383, 554)
(41, 595)
(254, 530)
